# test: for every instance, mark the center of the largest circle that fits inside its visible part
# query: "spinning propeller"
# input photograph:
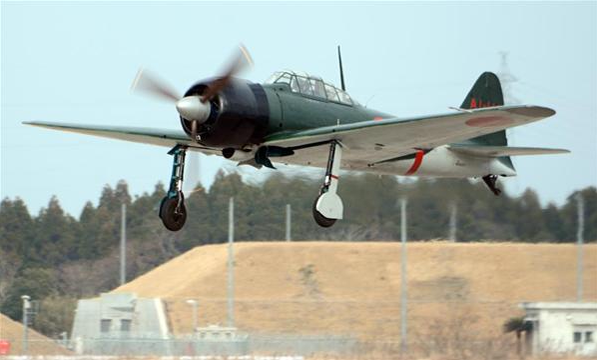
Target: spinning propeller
(194, 108)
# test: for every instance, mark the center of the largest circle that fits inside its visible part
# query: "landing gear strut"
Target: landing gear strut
(490, 181)
(172, 209)
(328, 206)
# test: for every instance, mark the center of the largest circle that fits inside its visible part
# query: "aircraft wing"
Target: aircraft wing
(497, 151)
(161, 137)
(374, 141)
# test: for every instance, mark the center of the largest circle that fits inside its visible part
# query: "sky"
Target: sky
(75, 62)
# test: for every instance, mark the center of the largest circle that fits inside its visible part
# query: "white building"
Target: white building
(562, 327)
(101, 321)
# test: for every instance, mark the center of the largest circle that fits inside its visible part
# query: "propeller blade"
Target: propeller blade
(242, 59)
(192, 174)
(150, 84)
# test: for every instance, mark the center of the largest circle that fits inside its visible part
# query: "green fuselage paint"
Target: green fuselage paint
(291, 111)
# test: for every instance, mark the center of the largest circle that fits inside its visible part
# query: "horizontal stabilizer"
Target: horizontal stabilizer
(499, 151)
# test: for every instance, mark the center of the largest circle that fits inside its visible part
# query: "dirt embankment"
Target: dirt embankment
(354, 288)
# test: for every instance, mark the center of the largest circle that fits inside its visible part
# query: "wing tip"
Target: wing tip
(533, 111)
(39, 123)
(561, 151)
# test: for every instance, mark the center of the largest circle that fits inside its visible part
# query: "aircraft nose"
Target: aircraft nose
(191, 108)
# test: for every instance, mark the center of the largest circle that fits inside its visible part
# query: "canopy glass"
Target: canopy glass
(310, 85)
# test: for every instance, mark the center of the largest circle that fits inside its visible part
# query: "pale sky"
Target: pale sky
(74, 62)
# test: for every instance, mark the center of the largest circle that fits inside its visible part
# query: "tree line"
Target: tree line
(55, 257)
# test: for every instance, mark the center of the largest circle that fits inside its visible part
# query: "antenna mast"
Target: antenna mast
(341, 70)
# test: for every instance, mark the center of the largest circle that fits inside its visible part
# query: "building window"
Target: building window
(588, 336)
(577, 337)
(125, 325)
(105, 325)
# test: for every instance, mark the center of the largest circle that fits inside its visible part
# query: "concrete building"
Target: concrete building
(117, 316)
(126, 325)
(562, 327)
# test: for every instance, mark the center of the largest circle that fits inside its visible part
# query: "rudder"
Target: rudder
(486, 92)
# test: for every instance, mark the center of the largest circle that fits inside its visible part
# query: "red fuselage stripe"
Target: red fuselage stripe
(418, 161)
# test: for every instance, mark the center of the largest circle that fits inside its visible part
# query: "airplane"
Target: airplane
(297, 118)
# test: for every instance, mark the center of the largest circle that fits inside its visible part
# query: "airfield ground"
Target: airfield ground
(354, 288)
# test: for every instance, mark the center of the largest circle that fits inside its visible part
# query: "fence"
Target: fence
(276, 349)
(259, 344)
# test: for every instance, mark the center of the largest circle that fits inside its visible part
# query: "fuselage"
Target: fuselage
(290, 111)
(245, 113)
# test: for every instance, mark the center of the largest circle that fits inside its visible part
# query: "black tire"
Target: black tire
(172, 219)
(228, 153)
(320, 219)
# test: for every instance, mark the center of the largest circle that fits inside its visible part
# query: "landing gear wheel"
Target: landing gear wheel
(320, 219)
(173, 216)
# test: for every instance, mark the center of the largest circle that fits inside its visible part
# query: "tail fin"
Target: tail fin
(486, 92)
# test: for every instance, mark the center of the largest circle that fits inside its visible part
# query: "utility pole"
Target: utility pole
(288, 223)
(579, 245)
(123, 244)
(403, 290)
(453, 215)
(193, 303)
(231, 263)
(26, 308)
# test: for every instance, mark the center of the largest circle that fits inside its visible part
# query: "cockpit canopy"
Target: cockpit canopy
(310, 85)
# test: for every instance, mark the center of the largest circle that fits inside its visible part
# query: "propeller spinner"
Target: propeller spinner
(194, 108)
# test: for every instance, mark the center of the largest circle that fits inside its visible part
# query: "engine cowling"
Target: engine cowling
(239, 115)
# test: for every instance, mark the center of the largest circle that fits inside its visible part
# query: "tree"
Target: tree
(526, 226)
(553, 222)
(56, 314)
(518, 325)
(54, 237)
(38, 283)
(15, 227)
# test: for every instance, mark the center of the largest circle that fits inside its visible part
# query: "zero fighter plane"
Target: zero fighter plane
(296, 118)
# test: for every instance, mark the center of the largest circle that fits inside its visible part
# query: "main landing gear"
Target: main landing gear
(172, 209)
(490, 181)
(328, 206)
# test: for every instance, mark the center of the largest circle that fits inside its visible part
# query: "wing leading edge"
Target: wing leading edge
(160, 137)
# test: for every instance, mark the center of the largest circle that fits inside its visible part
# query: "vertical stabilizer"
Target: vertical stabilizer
(486, 92)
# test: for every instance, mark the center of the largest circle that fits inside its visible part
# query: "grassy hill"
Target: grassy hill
(38, 344)
(354, 288)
